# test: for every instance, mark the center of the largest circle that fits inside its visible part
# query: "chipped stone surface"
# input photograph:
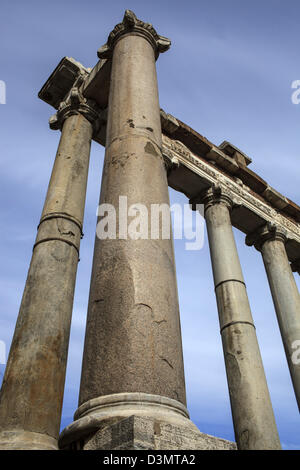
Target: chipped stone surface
(240, 157)
(142, 433)
(61, 81)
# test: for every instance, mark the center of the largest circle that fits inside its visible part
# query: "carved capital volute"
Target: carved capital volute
(214, 195)
(269, 231)
(76, 103)
(132, 25)
(171, 162)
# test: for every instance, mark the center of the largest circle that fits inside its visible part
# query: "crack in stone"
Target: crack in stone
(69, 233)
(144, 305)
(159, 321)
(166, 360)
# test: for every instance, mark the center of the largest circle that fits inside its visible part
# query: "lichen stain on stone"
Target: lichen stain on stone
(149, 148)
(233, 371)
(119, 160)
(78, 167)
(57, 258)
(157, 430)
(245, 438)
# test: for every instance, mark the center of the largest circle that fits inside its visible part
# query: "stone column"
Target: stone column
(132, 362)
(32, 390)
(252, 412)
(270, 241)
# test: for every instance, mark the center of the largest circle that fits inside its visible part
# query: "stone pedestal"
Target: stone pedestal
(140, 421)
(143, 433)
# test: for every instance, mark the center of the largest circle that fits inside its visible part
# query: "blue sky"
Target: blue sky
(228, 75)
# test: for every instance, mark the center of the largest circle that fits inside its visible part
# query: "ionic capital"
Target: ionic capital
(214, 195)
(269, 231)
(75, 103)
(170, 161)
(132, 25)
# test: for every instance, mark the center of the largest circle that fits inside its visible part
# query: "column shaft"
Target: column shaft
(32, 390)
(286, 301)
(252, 412)
(133, 341)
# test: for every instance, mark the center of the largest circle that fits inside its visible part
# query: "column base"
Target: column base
(141, 421)
(26, 440)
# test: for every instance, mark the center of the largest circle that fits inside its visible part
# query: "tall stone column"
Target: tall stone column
(132, 364)
(270, 241)
(252, 412)
(32, 390)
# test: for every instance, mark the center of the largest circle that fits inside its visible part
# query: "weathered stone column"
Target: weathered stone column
(270, 240)
(32, 390)
(252, 412)
(132, 364)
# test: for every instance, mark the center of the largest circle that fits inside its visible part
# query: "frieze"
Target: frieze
(240, 193)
